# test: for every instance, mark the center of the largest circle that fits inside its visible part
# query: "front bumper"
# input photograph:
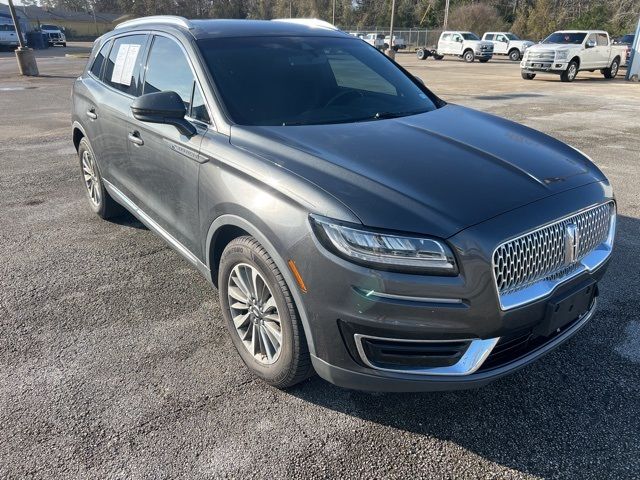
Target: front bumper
(484, 54)
(548, 66)
(347, 304)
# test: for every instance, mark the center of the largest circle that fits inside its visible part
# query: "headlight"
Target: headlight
(562, 55)
(383, 250)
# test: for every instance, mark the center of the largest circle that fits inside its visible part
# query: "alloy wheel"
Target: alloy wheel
(255, 313)
(573, 70)
(614, 69)
(90, 175)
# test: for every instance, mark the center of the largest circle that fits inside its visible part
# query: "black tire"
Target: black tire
(612, 71)
(514, 55)
(293, 364)
(106, 207)
(438, 57)
(570, 74)
(421, 53)
(483, 60)
(528, 76)
(64, 44)
(468, 56)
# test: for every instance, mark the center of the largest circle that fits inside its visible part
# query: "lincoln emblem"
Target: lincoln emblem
(571, 243)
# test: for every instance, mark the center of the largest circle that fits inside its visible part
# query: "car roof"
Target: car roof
(216, 28)
(580, 31)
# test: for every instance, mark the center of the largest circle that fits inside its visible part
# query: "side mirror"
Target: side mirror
(163, 107)
(590, 44)
(459, 40)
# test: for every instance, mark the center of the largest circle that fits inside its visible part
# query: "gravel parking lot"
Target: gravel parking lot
(115, 360)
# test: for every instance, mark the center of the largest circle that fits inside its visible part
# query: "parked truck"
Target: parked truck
(507, 43)
(568, 52)
(55, 35)
(464, 45)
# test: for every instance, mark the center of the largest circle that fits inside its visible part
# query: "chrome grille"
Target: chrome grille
(542, 254)
(544, 55)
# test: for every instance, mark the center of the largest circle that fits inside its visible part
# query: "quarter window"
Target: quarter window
(122, 69)
(169, 70)
(96, 68)
(198, 106)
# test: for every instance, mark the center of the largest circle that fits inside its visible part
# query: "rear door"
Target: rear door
(444, 46)
(164, 164)
(604, 50)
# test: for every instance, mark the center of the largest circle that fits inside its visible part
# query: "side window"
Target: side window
(445, 37)
(96, 68)
(501, 38)
(489, 36)
(122, 68)
(457, 38)
(591, 38)
(198, 106)
(603, 41)
(169, 70)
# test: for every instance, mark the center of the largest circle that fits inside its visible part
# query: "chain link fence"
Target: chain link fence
(413, 37)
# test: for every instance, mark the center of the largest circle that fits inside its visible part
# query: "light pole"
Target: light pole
(446, 14)
(391, 52)
(26, 59)
(333, 22)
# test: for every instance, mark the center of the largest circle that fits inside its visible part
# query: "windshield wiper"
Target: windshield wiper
(384, 115)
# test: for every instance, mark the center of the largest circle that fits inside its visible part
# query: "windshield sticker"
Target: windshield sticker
(125, 63)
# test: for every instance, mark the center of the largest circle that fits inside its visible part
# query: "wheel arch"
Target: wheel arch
(225, 228)
(77, 134)
(576, 59)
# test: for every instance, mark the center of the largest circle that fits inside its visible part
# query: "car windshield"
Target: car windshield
(309, 81)
(470, 36)
(49, 27)
(566, 38)
(511, 36)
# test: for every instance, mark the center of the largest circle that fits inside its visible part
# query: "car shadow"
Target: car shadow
(127, 219)
(575, 413)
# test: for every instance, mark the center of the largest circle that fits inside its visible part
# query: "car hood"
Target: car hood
(552, 46)
(434, 173)
(479, 42)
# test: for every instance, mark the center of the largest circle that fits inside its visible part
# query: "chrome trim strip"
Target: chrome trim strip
(373, 295)
(153, 225)
(591, 262)
(477, 352)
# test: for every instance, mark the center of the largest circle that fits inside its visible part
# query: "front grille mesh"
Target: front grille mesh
(541, 253)
(545, 55)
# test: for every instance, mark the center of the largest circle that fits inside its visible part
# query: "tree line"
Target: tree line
(530, 18)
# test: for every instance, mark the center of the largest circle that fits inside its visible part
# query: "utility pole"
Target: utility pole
(391, 52)
(334, 13)
(290, 8)
(26, 59)
(446, 14)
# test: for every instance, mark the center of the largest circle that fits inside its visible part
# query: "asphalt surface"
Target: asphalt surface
(115, 362)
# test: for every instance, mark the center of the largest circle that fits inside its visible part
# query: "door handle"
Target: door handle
(134, 137)
(91, 113)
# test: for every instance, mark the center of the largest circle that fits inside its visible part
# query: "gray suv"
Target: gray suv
(354, 223)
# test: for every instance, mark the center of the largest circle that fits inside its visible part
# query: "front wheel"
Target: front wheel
(261, 316)
(569, 75)
(514, 55)
(468, 56)
(612, 71)
(528, 76)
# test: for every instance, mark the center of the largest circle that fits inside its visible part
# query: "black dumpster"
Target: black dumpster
(36, 40)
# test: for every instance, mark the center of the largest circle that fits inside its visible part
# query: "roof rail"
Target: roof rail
(309, 22)
(165, 19)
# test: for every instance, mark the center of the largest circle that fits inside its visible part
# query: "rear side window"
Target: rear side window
(122, 68)
(489, 36)
(445, 37)
(169, 70)
(96, 68)
(603, 41)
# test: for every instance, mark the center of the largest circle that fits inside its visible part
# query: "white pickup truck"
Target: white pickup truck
(398, 43)
(466, 45)
(507, 43)
(55, 35)
(569, 51)
(373, 39)
(8, 36)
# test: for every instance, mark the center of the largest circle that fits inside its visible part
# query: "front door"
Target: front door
(590, 58)
(501, 45)
(456, 44)
(164, 164)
